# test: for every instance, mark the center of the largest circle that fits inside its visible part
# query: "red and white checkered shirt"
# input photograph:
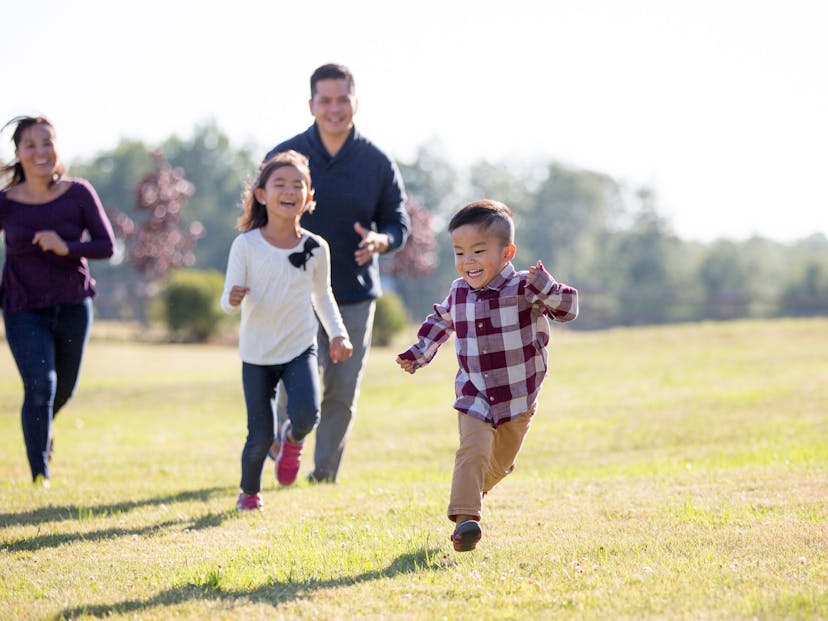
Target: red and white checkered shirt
(501, 335)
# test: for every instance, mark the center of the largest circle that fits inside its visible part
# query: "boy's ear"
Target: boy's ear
(509, 252)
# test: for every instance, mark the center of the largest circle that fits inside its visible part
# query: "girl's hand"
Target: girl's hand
(533, 272)
(49, 241)
(237, 294)
(409, 366)
(341, 349)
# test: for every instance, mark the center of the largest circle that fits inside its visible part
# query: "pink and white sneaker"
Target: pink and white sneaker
(249, 502)
(287, 462)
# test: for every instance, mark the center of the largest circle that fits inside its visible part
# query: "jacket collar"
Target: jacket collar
(499, 281)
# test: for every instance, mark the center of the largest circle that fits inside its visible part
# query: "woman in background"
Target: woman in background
(52, 225)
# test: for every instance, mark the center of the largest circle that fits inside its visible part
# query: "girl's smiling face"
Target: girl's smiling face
(479, 254)
(285, 194)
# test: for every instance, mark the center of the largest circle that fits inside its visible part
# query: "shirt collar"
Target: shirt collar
(499, 281)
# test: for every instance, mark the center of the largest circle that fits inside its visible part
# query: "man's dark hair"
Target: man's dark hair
(332, 71)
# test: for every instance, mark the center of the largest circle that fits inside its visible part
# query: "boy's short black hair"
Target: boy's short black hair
(486, 214)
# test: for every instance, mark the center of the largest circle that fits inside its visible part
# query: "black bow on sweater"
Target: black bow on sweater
(300, 259)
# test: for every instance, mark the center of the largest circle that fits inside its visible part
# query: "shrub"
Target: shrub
(191, 304)
(390, 318)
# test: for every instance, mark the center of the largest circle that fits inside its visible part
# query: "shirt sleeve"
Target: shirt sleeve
(236, 274)
(435, 330)
(101, 241)
(322, 296)
(559, 301)
(392, 216)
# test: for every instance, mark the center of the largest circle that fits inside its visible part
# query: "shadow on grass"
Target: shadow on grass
(31, 544)
(274, 592)
(73, 512)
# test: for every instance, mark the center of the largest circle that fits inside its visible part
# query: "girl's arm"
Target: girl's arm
(322, 296)
(559, 301)
(235, 277)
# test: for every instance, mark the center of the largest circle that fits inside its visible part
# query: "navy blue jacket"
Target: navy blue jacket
(359, 184)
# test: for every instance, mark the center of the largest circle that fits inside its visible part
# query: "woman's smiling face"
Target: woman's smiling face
(36, 151)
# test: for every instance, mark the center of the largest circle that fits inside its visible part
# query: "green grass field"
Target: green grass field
(671, 473)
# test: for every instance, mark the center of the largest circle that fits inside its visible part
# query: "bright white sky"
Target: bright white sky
(721, 106)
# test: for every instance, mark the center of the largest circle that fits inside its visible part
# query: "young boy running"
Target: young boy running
(499, 317)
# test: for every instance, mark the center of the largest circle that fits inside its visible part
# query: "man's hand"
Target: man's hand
(372, 243)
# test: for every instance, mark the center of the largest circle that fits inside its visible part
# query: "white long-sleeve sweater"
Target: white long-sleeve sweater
(277, 314)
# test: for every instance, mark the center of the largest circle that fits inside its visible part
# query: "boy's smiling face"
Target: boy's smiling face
(479, 254)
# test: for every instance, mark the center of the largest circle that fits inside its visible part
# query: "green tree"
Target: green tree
(218, 173)
(642, 268)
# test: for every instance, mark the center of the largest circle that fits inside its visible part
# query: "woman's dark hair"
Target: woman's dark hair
(254, 214)
(22, 123)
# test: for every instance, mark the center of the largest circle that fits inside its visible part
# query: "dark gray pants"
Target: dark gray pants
(340, 390)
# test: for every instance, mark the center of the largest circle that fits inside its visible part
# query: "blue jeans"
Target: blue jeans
(47, 345)
(300, 377)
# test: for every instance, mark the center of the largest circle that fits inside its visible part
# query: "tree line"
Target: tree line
(592, 231)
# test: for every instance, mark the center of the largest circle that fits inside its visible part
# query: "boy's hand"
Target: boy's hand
(237, 294)
(533, 272)
(341, 349)
(409, 366)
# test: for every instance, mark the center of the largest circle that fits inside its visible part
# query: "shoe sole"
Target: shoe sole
(466, 536)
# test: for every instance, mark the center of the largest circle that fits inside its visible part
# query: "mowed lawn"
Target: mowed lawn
(675, 472)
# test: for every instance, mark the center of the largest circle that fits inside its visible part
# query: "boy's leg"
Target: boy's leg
(508, 440)
(473, 454)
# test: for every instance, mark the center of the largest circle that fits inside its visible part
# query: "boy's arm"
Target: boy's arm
(434, 331)
(560, 301)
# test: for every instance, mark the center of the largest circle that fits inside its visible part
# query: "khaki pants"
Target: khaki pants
(485, 455)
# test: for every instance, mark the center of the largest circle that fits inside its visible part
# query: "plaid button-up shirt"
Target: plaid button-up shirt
(501, 335)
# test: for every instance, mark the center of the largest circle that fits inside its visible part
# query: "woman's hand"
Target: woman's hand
(49, 241)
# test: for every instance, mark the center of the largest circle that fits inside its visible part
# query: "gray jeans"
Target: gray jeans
(340, 390)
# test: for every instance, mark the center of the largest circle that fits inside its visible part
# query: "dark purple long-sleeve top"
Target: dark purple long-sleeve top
(33, 278)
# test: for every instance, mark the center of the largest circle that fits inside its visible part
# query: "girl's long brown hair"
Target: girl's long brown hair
(254, 213)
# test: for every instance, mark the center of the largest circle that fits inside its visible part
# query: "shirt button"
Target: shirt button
(491, 398)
